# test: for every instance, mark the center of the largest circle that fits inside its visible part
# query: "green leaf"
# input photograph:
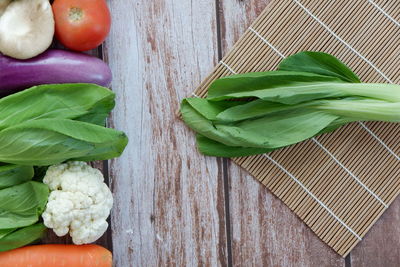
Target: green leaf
(297, 93)
(86, 102)
(311, 93)
(21, 205)
(276, 86)
(213, 148)
(257, 108)
(319, 63)
(22, 237)
(4, 232)
(282, 129)
(210, 110)
(51, 141)
(268, 132)
(203, 126)
(99, 112)
(13, 174)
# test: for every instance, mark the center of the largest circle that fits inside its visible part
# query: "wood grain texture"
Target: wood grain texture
(380, 247)
(169, 201)
(264, 231)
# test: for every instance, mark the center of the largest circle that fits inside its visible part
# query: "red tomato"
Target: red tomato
(81, 25)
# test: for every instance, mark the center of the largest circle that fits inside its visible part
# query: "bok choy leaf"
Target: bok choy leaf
(311, 93)
(49, 124)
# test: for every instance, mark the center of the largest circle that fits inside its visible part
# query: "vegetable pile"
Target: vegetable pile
(21, 203)
(48, 124)
(51, 124)
(311, 93)
(53, 113)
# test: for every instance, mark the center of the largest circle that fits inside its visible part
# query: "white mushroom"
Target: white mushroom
(26, 28)
(3, 5)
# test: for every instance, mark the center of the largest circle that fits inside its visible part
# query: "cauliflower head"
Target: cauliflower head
(79, 202)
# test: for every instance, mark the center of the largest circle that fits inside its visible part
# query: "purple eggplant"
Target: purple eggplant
(53, 66)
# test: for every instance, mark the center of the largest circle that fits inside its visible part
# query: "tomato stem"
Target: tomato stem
(75, 14)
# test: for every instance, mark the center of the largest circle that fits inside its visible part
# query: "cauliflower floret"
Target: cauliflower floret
(79, 202)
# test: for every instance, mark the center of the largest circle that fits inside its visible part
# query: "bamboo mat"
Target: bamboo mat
(340, 183)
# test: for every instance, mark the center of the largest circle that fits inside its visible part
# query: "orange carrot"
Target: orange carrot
(55, 255)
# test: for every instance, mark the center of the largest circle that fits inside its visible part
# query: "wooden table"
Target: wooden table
(174, 207)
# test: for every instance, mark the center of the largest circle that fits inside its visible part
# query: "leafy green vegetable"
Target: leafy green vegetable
(20, 208)
(210, 147)
(87, 102)
(277, 86)
(300, 92)
(283, 128)
(21, 205)
(253, 109)
(99, 112)
(311, 93)
(4, 232)
(51, 141)
(22, 237)
(49, 124)
(246, 85)
(42, 126)
(319, 63)
(205, 127)
(13, 175)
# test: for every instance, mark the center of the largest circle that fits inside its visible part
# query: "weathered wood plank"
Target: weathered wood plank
(169, 202)
(264, 231)
(380, 247)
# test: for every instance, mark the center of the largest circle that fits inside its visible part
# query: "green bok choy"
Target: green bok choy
(311, 93)
(49, 124)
